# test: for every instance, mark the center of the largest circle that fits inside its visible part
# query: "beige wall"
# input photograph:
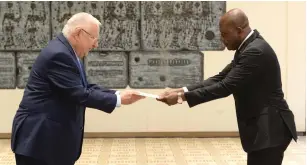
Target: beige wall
(282, 24)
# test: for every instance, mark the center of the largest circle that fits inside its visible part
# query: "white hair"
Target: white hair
(79, 20)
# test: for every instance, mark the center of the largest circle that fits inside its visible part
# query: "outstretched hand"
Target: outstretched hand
(130, 97)
(171, 96)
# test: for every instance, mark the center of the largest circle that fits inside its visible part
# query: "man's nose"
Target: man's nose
(95, 45)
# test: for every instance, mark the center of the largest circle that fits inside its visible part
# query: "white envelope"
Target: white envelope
(148, 95)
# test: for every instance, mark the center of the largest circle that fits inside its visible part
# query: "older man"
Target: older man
(48, 127)
(266, 124)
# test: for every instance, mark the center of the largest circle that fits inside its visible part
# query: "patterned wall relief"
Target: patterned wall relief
(141, 44)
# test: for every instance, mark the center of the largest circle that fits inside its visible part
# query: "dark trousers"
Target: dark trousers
(25, 160)
(268, 156)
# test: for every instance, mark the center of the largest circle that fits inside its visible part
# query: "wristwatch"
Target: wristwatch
(179, 100)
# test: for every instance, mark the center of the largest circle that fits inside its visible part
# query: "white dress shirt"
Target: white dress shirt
(249, 34)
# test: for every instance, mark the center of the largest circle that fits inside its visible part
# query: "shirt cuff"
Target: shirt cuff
(185, 89)
(118, 101)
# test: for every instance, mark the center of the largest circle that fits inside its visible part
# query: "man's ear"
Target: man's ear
(76, 33)
(239, 29)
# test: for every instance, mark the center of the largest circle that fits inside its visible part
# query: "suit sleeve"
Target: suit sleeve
(249, 66)
(65, 78)
(97, 87)
(212, 80)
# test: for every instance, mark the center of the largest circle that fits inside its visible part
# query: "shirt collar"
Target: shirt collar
(250, 33)
(73, 50)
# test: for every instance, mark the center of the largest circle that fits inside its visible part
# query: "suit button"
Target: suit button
(81, 128)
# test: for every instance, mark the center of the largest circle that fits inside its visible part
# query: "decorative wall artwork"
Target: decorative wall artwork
(24, 25)
(7, 70)
(179, 25)
(119, 21)
(107, 69)
(24, 62)
(165, 69)
(140, 45)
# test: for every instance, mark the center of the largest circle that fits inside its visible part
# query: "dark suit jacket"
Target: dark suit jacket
(49, 123)
(254, 79)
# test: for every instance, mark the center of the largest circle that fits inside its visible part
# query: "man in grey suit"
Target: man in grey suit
(266, 124)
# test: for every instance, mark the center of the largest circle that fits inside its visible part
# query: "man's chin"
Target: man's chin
(230, 48)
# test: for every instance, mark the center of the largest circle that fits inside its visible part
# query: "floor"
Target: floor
(165, 151)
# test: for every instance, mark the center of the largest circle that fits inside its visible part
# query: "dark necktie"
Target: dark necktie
(81, 69)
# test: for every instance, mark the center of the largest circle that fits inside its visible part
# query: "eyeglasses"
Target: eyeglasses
(92, 37)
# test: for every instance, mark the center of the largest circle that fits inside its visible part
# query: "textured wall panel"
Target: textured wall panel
(7, 70)
(25, 25)
(61, 12)
(120, 29)
(25, 61)
(107, 69)
(181, 25)
(120, 22)
(165, 69)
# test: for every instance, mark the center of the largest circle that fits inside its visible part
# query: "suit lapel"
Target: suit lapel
(236, 57)
(244, 45)
(80, 67)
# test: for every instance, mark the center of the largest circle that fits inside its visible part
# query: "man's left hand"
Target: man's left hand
(170, 98)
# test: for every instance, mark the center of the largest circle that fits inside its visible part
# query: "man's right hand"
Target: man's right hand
(168, 91)
(130, 96)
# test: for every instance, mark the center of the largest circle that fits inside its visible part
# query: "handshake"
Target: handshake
(169, 96)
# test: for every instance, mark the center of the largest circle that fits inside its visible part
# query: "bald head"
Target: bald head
(234, 27)
(235, 18)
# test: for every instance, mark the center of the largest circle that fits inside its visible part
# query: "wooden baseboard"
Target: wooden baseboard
(155, 134)
(5, 135)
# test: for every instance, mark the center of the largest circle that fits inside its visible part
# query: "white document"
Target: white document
(148, 95)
